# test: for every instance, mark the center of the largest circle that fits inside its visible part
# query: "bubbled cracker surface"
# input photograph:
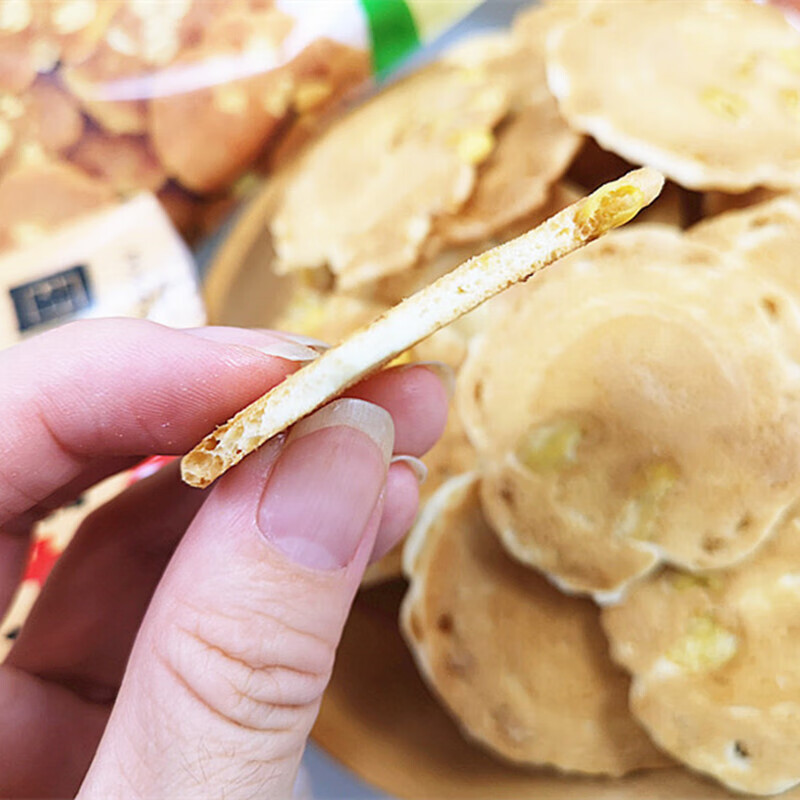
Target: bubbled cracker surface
(534, 144)
(765, 238)
(415, 159)
(522, 668)
(634, 404)
(708, 91)
(715, 664)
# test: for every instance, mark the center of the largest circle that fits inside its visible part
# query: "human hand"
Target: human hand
(236, 622)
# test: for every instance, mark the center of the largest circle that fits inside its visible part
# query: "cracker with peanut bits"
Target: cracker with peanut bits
(366, 211)
(708, 92)
(635, 405)
(534, 144)
(522, 668)
(715, 660)
(417, 318)
(765, 237)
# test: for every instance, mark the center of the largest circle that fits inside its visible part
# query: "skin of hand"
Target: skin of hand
(182, 643)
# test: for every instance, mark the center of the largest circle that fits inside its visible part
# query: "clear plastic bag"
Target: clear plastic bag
(100, 99)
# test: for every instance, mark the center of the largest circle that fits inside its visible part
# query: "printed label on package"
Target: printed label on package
(126, 261)
(54, 298)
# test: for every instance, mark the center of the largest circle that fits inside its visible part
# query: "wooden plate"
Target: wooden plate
(378, 718)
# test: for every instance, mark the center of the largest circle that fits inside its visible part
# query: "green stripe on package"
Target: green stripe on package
(398, 27)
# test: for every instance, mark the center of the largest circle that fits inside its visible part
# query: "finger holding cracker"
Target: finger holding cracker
(416, 318)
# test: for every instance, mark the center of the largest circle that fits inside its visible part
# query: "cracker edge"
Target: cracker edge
(416, 318)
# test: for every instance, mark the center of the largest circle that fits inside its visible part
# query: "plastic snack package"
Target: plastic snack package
(181, 99)
(123, 260)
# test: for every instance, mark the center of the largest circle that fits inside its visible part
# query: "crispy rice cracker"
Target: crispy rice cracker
(366, 211)
(765, 237)
(534, 145)
(417, 318)
(523, 668)
(707, 91)
(715, 660)
(634, 405)
(438, 257)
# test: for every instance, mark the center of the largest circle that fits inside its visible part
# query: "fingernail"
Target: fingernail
(444, 372)
(415, 465)
(326, 482)
(288, 350)
(267, 342)
(308, 341)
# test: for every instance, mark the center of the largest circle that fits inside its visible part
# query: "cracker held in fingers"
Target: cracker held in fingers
(416, 318)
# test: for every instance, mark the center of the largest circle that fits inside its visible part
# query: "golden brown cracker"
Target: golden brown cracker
(764, 237)
(522, 668)
(416, 319)
(416, 159)
(635, 404)
(714, 659)
(534, 145)
(708, 92)
(229, 127)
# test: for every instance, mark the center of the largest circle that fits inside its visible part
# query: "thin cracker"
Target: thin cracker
(522, 668)
(415, 319)
(654, 415)
(715, 660)
(419, 144)
(707, 92)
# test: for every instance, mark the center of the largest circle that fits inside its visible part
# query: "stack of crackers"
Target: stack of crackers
(103, 98)
(605, 573)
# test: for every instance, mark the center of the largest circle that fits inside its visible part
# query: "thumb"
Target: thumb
(226, 676)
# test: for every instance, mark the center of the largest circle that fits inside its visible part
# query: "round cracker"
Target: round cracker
(534, 144)
(416, 159)
(522, 668)
(765, 238)
(633, 405)
(706, 91)
(715, 660)
(231, 121)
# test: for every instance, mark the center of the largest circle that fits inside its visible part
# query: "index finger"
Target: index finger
(78, 400)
